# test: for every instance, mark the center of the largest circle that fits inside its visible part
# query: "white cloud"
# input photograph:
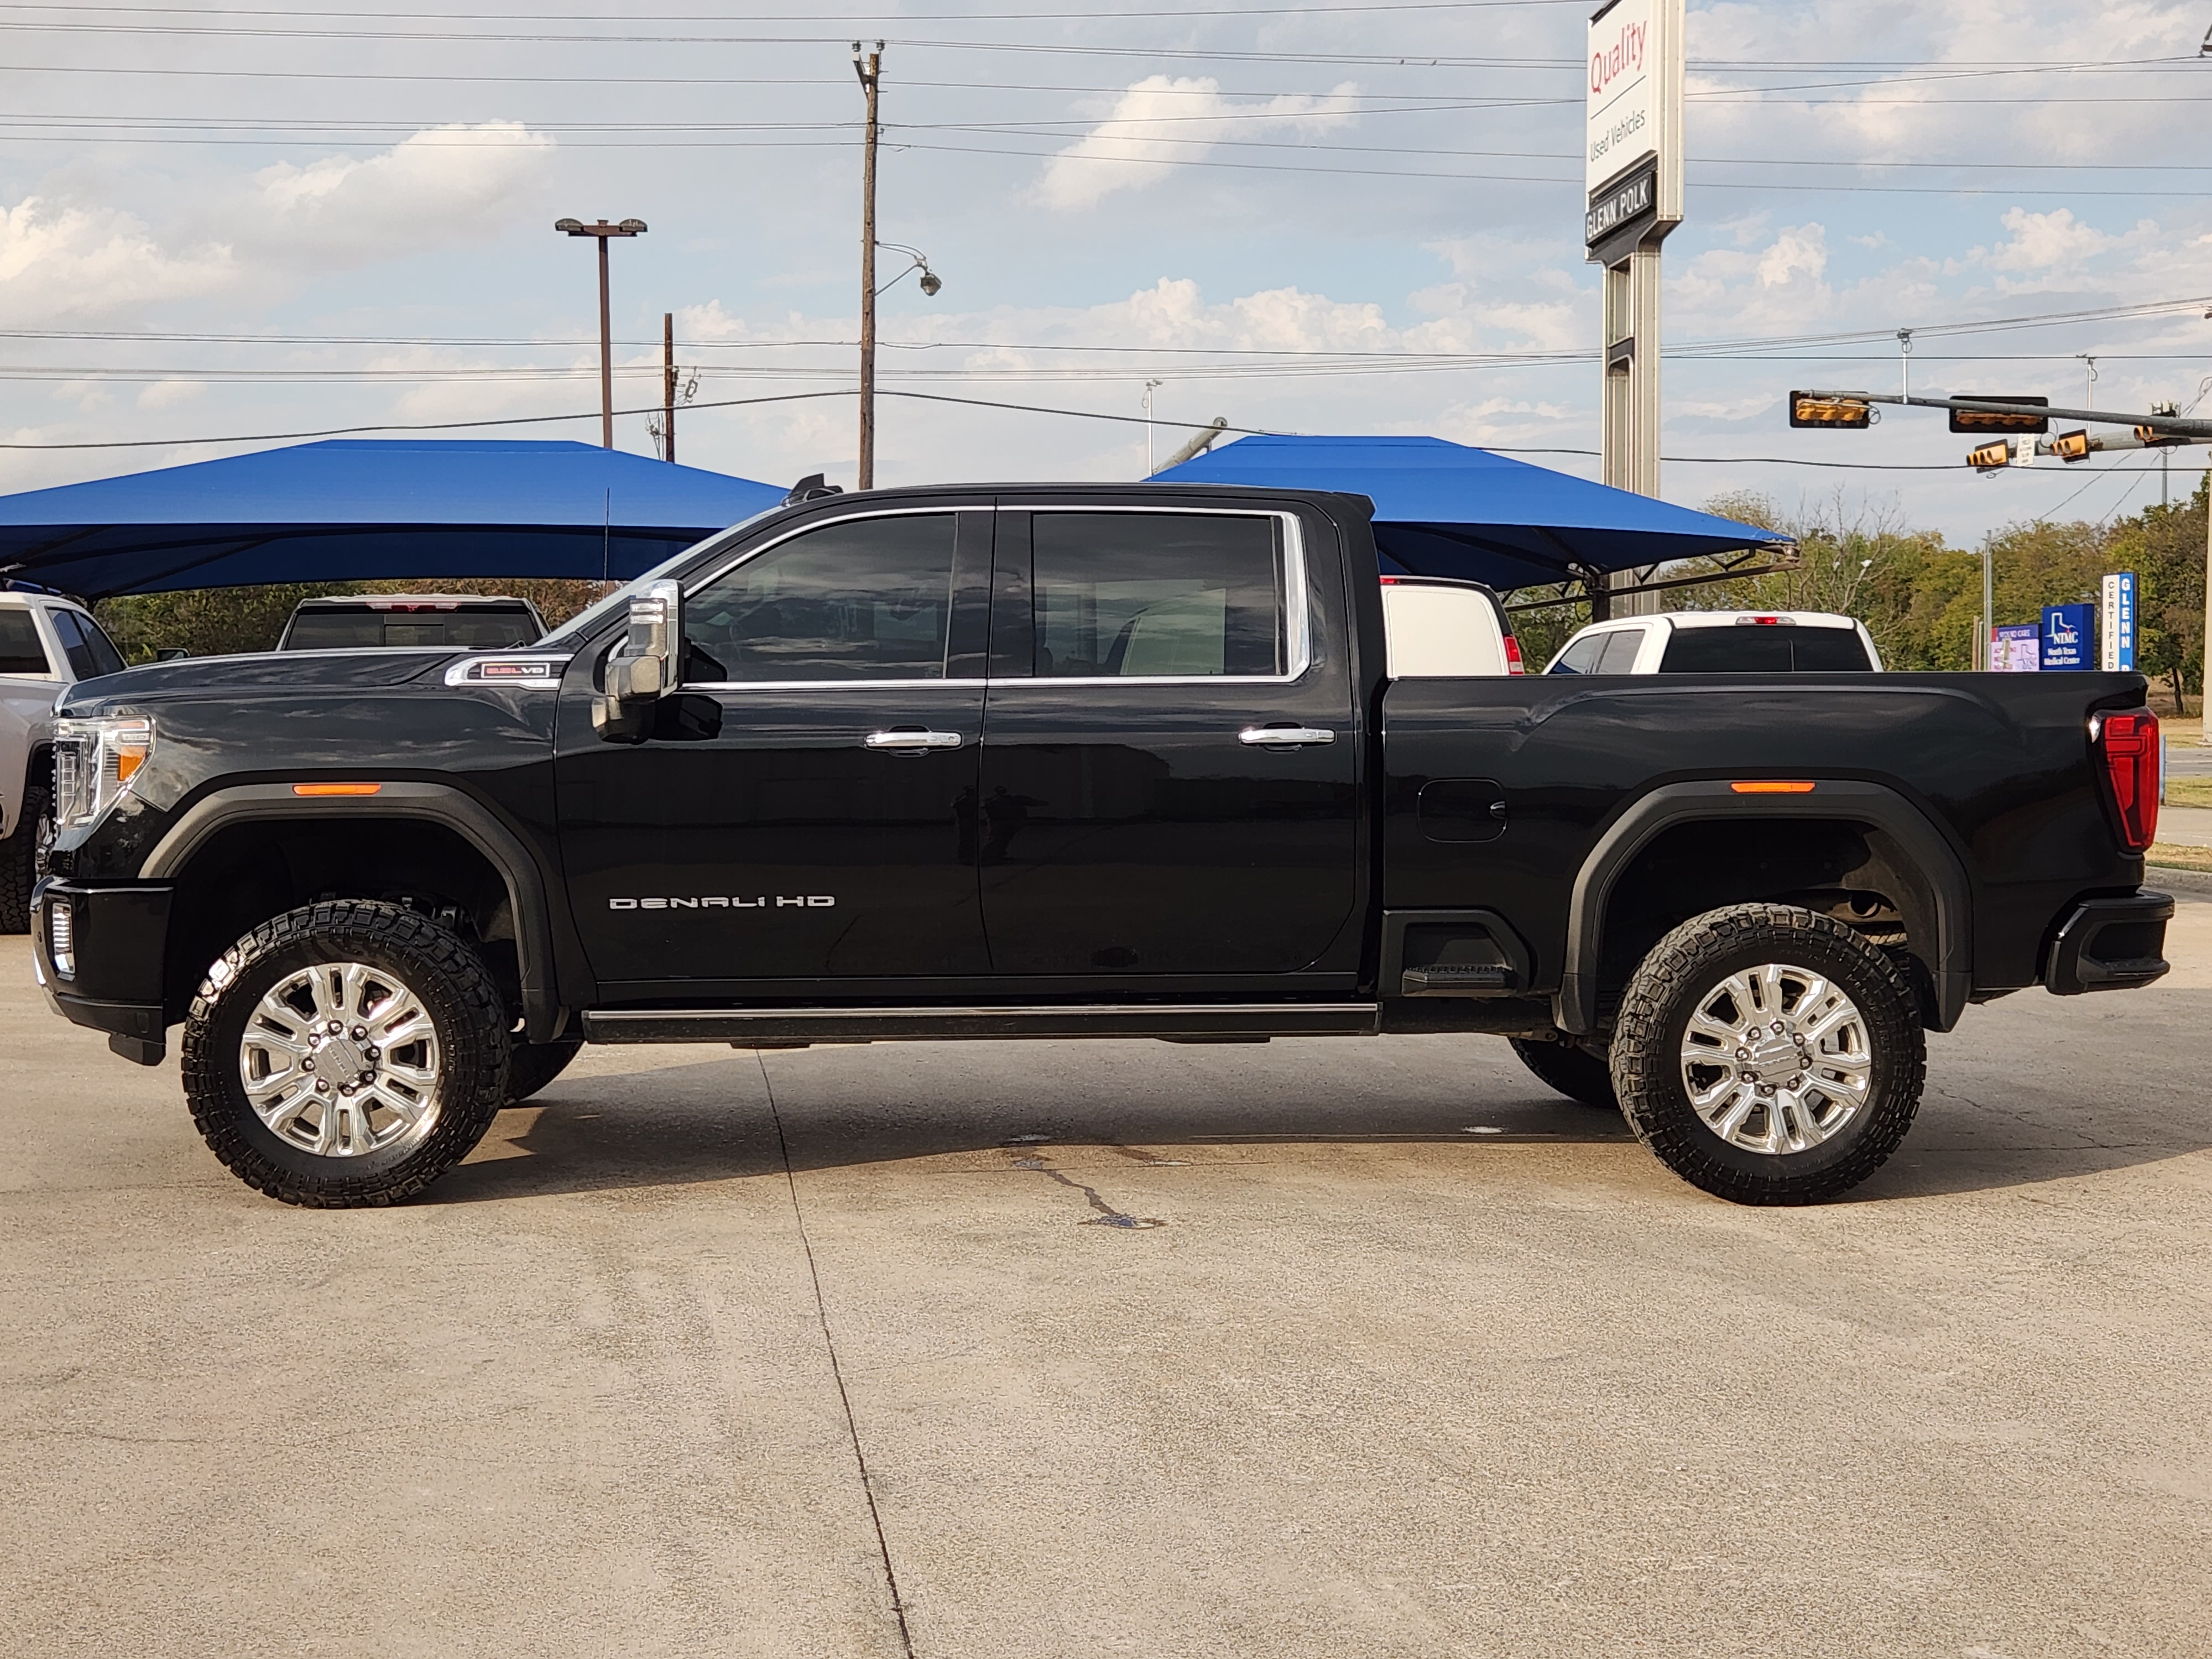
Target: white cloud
(443, 184)
(1162, 121)
(2045, 241)
(59, 261)
(167, 394)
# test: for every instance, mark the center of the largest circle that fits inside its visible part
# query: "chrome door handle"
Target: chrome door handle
(914, 739)
(1268, 736)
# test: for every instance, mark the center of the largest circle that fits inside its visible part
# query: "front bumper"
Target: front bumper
(2110, 944)
(110, 978)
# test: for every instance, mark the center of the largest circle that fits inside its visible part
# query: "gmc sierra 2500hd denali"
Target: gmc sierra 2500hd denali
(1069, 762)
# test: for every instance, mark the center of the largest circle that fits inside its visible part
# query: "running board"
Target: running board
(745, 1026)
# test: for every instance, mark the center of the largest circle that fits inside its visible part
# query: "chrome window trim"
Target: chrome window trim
(1297, 619)
(828, 686)
(1298, 606)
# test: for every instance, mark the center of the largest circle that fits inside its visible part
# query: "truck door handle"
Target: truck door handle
(1270, 736)
(911, 739)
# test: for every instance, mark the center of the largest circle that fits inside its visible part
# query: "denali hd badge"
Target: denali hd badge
(763, 901)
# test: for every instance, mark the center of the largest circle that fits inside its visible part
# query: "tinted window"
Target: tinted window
(1738, 650)
(1830, 651)
(334, 630)
(1621, 649)
(90, 652)
(20, 650)
(1580, 656)
(473, 628)
(868, 599)
(1176, 594)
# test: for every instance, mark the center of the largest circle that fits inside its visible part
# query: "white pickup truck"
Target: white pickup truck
(48, 644)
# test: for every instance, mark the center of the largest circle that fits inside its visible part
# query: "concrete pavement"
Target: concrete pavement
(1417, 1360)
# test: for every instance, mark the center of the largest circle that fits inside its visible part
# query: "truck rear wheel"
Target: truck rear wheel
(346, 1053)
(23, 858)
(1583, 1076)
(1769, 1054)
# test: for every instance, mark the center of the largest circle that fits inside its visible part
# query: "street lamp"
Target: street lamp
(869, 67)
(602, 232)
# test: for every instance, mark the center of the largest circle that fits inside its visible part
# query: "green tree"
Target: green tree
(2164, 546)
(215, 622)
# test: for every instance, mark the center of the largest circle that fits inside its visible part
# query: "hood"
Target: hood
(270, 671)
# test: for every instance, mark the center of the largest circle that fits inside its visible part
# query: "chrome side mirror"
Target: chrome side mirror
(646, 667)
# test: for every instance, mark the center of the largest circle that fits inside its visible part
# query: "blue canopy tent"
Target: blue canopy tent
(1443, 509)
(360, 509)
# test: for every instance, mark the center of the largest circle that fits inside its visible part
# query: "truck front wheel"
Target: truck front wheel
(346, 1053)
(1769, 1054)
(23, 858)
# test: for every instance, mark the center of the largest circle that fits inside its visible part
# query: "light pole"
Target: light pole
(869, 68)
(601, 232)
(1149, 386)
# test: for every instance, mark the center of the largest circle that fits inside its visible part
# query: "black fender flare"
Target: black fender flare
(543, 1015)
(1873, 805)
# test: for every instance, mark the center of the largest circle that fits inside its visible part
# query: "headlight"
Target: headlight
(95, 762)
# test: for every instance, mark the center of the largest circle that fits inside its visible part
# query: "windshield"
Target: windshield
(571, 634)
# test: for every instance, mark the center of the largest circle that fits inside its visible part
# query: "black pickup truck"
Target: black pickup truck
(1070, 762)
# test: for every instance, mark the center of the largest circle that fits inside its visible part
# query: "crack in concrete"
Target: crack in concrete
(1108, 1216)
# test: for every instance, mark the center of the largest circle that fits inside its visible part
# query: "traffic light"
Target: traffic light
(1988, 458)
(2151, 438)
(2071, 446)
(1976, 422)
(1837, 414)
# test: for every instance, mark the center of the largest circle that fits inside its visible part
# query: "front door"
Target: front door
(806, 811)
(1169, 752)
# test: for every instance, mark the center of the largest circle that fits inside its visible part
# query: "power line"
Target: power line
(2135, 310)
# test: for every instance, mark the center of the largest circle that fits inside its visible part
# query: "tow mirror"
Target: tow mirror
(646, 667)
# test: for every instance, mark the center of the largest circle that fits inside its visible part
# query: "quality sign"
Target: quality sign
(1623, 117)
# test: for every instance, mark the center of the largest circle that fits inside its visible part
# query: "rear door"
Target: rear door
(1171, 757)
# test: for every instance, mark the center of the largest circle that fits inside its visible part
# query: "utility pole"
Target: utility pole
(869, 68)
(668, 382)
(1632, 172)
(603, 233)
(1149, 386)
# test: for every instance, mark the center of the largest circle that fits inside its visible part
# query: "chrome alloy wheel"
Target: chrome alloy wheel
(341, 1059)
(1776, 1059)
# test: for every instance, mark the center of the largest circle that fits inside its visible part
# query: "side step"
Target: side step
(786, 1026)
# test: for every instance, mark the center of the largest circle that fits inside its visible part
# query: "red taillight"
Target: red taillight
(1513, 656)
(2129, 743)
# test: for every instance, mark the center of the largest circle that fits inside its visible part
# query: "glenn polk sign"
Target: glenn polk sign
(1632, 158)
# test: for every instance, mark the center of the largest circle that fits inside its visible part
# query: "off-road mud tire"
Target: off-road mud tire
(20, 856)
(457, 992)
(1583, 1076)
(531, 1065)
(1684, 968)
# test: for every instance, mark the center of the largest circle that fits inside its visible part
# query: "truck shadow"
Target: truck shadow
(1980, 1127)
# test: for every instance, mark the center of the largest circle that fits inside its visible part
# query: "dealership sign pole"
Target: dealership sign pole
(1632, 170)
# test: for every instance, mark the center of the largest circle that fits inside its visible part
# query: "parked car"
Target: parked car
(1721, 642)
(1099, 761)
(465, 622)
(46, 643)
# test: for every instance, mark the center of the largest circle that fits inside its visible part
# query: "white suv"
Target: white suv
(47, 643)
(1721, 642)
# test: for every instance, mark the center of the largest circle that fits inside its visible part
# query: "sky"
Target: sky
(217, 223)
